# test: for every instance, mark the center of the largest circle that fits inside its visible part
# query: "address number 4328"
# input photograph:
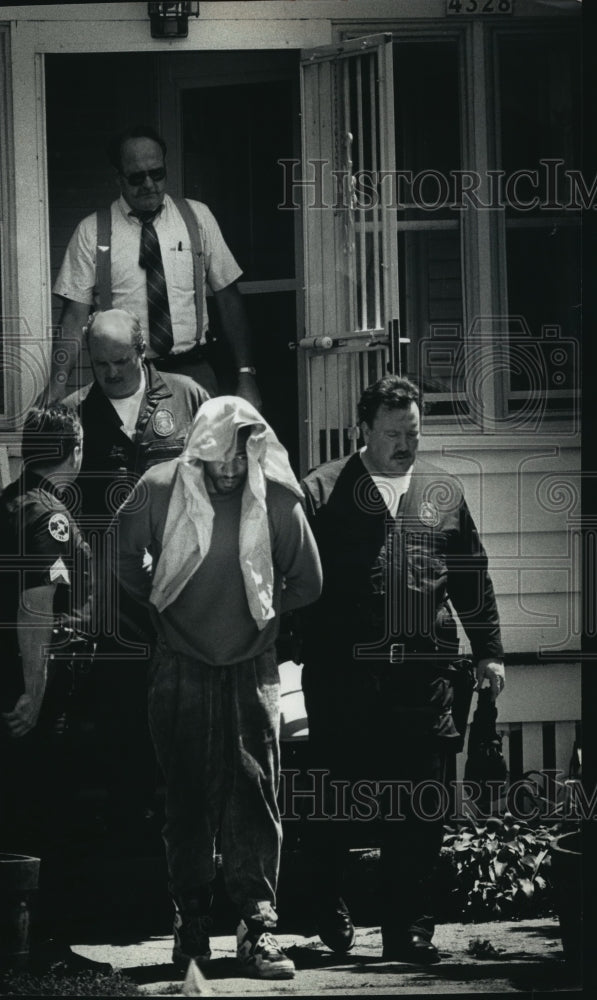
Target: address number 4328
(479, 6)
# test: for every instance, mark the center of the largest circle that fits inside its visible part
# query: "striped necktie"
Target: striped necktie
(158, 310)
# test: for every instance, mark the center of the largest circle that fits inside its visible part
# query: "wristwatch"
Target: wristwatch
(247, 370)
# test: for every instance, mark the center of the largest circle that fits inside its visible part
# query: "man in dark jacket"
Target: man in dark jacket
(399, 550)
(133, 417)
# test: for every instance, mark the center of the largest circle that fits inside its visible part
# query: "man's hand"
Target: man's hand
(247, 388)
(493, 671)
(23, 717)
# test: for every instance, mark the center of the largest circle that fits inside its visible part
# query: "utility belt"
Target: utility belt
(407, 660)
(403, 653)
(71, 655)
(69, 644)
(434, 646)
(69, 668)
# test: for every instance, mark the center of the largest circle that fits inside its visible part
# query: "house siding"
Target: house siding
(527, 520)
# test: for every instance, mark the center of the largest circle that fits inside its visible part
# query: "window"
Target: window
(480, 291)
(428, 135)
(528, 343)
(539, 110)
(5, 202)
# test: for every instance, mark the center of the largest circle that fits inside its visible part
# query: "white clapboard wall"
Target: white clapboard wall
(4, 467)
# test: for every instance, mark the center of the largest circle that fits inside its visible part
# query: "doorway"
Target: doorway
(228, 118)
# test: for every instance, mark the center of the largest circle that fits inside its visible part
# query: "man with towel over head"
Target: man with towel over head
(230, 551)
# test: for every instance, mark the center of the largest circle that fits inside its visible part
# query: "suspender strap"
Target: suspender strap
(103, 258)
(190, 220)
(103, 265)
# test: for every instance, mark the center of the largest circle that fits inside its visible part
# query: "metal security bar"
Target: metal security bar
(335, 381)
(351, 265)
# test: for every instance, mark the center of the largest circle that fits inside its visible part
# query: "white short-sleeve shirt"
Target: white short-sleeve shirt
(392, 489)
(76, 279)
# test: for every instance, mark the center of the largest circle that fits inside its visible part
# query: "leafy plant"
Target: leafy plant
(495, 869)
(554, 796)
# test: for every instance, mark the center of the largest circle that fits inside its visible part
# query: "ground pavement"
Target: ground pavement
(497, 957)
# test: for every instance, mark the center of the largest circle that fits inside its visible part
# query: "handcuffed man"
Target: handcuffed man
(231, 551)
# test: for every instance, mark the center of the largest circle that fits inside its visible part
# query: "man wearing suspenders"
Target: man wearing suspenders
(153, 255)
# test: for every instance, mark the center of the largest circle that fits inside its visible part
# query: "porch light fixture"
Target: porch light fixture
(171, 20)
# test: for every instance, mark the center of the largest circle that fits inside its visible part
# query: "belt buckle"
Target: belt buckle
(397, 653)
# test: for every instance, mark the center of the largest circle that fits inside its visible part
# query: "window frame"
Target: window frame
(8, 269)
(504, 224)
(482, 233)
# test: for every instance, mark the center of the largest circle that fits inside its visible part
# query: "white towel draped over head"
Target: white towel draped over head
(189, 521)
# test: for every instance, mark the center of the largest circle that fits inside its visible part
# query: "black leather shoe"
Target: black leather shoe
(410, 948)
(334, 925)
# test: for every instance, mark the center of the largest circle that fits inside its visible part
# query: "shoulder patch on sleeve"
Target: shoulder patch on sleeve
(59, 572)
(59, 527)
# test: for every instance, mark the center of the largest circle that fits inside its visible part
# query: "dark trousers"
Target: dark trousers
(128, 763)
(377, 732)
(36, 796)
(216, 731)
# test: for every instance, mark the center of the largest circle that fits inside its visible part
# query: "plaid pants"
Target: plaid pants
(216, 734)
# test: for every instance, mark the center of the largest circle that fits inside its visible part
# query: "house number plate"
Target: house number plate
(479, 7)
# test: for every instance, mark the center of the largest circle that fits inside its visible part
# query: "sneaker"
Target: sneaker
(335, 926)
(260, 954)
(191, 939)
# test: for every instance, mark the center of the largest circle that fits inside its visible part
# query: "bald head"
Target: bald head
(115, 344)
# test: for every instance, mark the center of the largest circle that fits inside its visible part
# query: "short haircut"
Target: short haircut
(50, 434)
(114, 148)
(136, 331)
(393, 391)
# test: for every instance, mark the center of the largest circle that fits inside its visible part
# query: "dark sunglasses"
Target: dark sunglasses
(138, 176)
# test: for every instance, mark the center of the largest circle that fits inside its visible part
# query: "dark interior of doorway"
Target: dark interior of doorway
(229, 117)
